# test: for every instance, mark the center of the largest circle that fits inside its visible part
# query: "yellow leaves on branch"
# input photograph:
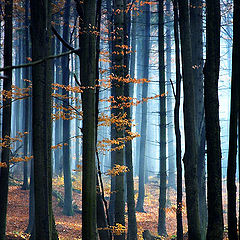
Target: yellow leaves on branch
(59, 146)
(20, 159)
(7, 141)
(3, 165)
(116, 170)
(120, 121)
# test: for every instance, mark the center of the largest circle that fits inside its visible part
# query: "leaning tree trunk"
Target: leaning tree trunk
(6, 117)
(177, 126)
(234, 117)
(211, 73)
(190, 156)
(163, 171)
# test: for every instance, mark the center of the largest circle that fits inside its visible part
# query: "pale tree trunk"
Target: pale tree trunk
(145, 74)
(67, 207)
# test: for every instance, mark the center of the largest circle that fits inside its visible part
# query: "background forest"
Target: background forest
(119, 119)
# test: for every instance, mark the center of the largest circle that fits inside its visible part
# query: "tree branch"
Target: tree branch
(39, 61)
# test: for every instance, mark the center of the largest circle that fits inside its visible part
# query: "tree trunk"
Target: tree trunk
(190, 156)
(197, 61)
(88, 76)
(163, 171)
(145, 71)
(177, 127)
(67, 208)
(211, 73)
(132, 224)
(118, 91)
(170, 117)
(26, 75)
(6, 117)
(44, 227)
(234, 117)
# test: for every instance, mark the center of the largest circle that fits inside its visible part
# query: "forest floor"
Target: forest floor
(69, 228)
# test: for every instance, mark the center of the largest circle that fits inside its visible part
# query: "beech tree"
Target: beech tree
(211, 104)
(190, 155)
(44, 225)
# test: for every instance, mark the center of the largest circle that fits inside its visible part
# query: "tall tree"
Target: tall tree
(170, 97)
(6, 117)
(144, 75)
(190, 156)
(177, 125)
(163, 159)
(67, 208)
(118, 91)
(234, 117)
(132, 223)
(26, 75)
(211, 104)
(196, 24)
(87, 13)
(44, 227)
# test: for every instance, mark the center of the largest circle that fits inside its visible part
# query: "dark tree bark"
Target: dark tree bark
(190, 156)
(211, 74)
(6, 116)
(234, 117)
(163, 171)
(87, 12)
(145, 74)
(132, 223)
(44, 227)
(176, 124)
(197, 61)
(67, 208)
(118, 90)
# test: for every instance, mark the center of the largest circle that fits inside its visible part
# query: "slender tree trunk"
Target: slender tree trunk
(26, 75)
(44, 227)
(132, 223)
(118, 91)
(190, 156)
(88, 77)
(211, 73)
(170, 118)
(234, 117)
(67, 208)
(177, 127)
(145, 72)
(6, 117)
(163, 170)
